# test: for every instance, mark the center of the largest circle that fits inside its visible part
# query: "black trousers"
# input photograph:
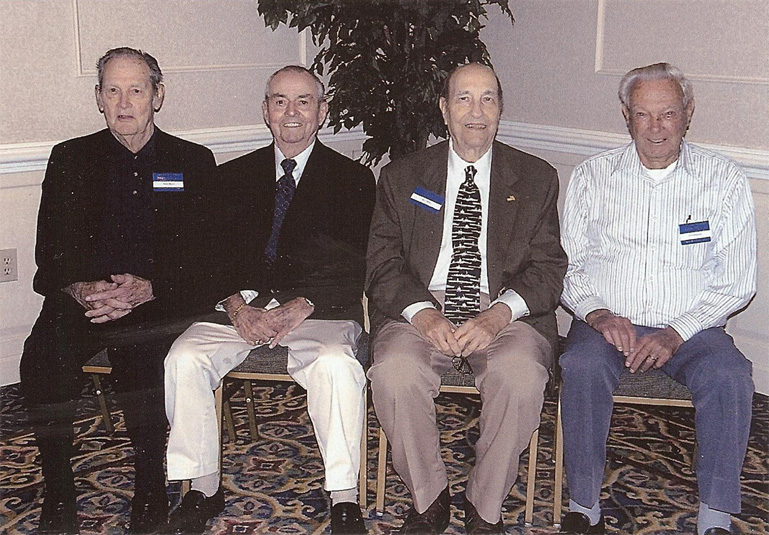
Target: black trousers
(61, 341)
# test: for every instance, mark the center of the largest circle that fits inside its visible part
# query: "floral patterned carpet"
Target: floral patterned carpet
(274, 484)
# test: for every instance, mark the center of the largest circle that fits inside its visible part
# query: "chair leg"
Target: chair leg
(218, 394)
(531, 478)
(229, 422)
(558, 490)
(99, 391)
(381, 472)
(362, 473)
(251, 411)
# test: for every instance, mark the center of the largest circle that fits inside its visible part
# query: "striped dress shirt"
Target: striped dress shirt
(623, 234)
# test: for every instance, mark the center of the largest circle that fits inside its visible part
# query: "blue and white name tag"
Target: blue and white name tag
(430, 201)
(168, 181)
(698, 232)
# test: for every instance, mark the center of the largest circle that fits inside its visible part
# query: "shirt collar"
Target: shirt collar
(300, 159)
(456, 163)
(630, 162)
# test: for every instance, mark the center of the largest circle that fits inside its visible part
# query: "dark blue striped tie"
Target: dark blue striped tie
(284, 191)
(463, 283)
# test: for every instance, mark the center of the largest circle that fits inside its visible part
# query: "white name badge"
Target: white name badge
(698, 232)
(168, 181)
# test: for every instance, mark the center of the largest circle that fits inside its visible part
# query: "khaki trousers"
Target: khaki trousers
(511, 374)
(321, 358)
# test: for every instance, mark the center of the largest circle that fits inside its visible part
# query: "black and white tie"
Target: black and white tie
(284, 191)
(463, 283)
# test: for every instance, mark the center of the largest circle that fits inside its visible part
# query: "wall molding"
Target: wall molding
(600, 68)
(90, 72)
(19, 158)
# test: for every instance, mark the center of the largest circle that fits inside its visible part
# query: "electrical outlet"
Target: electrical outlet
(9, 267)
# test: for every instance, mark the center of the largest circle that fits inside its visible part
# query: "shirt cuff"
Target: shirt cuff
(410, 311)
(686, 326)
(587, 306)
(514, 302)
(247, 295)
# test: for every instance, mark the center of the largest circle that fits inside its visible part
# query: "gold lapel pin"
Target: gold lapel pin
(510, 198)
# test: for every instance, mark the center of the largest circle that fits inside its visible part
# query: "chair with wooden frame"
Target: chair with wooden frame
(653, 387)
(264, 364)
(454, 382)
(261, 364)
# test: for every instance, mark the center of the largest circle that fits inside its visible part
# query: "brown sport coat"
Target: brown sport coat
(523, 244)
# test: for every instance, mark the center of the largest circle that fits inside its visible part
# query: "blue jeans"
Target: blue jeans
(709, 364)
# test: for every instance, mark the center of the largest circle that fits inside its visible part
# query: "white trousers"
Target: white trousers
(321, 358)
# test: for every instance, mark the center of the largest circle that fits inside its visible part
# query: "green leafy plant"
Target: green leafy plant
(387, 60)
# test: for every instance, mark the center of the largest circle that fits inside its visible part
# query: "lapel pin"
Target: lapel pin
(510, 198)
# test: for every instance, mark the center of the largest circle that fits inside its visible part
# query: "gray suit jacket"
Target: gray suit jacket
(523, 244)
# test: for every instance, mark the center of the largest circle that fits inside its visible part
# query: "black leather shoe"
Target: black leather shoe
(346, 518)
(474, 524)
(149, 512)
(434, 520)
(717, 531)
(194, 512)
(579, 523)
(59, 517)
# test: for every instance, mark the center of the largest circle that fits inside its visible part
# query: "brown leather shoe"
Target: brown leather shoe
(433, 521)
(474, 524)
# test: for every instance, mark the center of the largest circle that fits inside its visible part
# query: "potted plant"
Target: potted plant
(387, 60)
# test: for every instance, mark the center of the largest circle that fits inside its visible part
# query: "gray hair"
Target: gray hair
(156, 76)
(297, 69)
(656, 71)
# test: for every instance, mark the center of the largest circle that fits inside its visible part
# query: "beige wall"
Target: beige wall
(559, 65)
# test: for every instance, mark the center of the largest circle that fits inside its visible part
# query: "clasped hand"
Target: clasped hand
(107, 301)
(641, 353)
(260, 326)
(473, 335)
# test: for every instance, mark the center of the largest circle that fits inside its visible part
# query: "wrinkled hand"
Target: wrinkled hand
(79, 291)
(287, 317)
(616, 330)
(478, 332)
(654, 349)
(252, 327)
(434, 327)
(113, 303)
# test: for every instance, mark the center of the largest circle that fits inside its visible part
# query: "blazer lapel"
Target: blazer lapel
(428, 226)
(504, 199)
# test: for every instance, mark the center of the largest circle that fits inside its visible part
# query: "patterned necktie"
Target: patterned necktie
(284, 191)
(463, 284)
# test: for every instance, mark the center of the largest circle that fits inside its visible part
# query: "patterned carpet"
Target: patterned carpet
(274, 485)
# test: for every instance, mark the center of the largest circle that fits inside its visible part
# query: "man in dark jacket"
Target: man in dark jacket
(117, 227)
(297, 216)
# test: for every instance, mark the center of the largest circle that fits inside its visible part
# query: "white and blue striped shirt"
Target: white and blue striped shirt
(622, 232)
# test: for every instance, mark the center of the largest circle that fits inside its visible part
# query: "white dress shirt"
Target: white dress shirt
(622, 232)
(455, 177)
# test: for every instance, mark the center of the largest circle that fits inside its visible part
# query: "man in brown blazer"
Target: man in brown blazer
(464, 268)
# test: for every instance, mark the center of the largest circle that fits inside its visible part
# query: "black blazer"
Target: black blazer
(523, 244)
(71, 213)
(322, 244)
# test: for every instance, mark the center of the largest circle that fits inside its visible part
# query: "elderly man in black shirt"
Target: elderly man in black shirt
(119, 230)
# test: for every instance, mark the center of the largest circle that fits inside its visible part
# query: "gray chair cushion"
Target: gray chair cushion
(454, 378)
(262, 359)
(651, 384)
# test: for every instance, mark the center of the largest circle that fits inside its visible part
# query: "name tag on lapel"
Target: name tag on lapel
(168, 181)
(430, 201)
(698, 232)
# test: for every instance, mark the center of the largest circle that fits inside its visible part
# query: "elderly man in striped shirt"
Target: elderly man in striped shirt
(661, 240)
